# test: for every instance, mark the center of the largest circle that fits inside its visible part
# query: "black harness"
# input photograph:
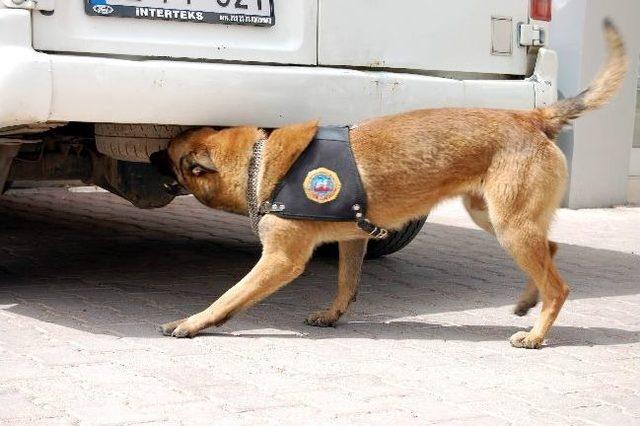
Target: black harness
(324, 184)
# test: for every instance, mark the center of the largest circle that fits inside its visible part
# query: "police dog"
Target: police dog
(504, 163)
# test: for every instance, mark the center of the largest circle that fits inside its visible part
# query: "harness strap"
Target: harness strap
(374, 231)
(257, 210)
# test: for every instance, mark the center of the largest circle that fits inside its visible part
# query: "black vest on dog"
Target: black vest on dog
(323, 183)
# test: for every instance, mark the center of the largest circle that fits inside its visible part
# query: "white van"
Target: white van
(111, 80)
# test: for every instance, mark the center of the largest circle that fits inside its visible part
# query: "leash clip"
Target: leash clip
(374, 231)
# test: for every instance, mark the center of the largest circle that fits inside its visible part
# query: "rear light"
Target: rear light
(541, 10)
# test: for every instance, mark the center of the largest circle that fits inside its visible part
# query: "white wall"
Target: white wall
(599, 145)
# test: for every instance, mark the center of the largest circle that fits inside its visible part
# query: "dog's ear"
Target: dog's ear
(199, 163)
(160, 162)
(295, 137)
(284, 147)
(287, 143)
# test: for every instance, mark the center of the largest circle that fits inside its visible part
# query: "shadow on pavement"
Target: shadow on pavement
(115, 276)
(562, 335)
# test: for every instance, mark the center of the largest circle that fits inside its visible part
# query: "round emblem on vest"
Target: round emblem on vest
(322, 185)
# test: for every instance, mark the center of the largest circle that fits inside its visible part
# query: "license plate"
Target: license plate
(239, 12)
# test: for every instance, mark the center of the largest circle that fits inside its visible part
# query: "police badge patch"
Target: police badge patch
(322, 185)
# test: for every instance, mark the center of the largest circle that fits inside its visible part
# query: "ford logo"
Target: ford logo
(103, 9)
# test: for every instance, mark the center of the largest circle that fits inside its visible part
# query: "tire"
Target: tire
(379, 248)
(396, 240)
(133, 142)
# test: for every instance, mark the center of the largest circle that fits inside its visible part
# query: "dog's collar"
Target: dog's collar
(253, 180)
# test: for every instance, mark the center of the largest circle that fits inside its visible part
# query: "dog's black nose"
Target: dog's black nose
(160, 161)
(175, 189)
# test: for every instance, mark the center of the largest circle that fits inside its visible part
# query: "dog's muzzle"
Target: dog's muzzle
(175, 189)
(161, 163)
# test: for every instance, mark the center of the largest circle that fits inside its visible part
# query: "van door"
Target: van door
(431, 35)
(277, 31)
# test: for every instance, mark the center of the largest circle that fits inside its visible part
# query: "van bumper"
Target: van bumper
(37, 87)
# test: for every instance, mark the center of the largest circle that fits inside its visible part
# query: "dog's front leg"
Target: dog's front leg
(283, 259)
(350, 266)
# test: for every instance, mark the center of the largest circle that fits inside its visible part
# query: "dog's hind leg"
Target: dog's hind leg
(529, 248)
(283, 259)
(521, 211)
(529, 297)
(349, 269)
(477, 209)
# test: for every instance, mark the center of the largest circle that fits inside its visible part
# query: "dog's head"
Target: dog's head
(160, 161)
(205, 163)
(212, 165)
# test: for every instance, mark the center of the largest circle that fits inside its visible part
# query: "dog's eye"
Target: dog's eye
(197, 170)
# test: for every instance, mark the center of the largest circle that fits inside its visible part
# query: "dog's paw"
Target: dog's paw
(523, 339)
(524, 305)
(322, 319)
(522, 308)
(184, 330)
(168, 328)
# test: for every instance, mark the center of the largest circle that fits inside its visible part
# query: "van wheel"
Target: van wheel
(397, 240)
(133, 142)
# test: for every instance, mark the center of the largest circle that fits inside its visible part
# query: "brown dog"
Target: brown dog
(504, 163)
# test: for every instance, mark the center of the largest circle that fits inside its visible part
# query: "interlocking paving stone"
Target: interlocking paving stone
(85, 278)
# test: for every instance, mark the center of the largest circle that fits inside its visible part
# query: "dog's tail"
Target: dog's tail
(599, 93)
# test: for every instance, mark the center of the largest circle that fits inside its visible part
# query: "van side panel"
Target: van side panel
(430, 35)
(292, 40)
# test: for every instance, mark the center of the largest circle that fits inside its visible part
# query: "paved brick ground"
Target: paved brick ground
(84, 278)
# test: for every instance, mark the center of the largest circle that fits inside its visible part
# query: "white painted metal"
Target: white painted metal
(91, 89)
(25, 79)
(30, 4)
(292, 40)
(453, 35)
(167, 92)
(531, 35)
(545, 75)
(40, 87)
(501, 36)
